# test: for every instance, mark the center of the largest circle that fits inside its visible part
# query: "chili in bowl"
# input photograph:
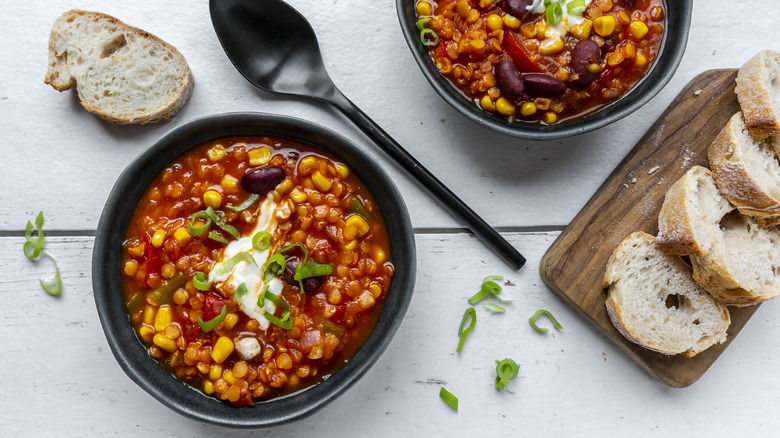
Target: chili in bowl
(543, 69)
(249, 268)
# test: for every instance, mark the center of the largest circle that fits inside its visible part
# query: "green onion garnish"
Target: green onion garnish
(495, 308)
(243, 256)
(251, 199)
(208, 326)
(538, 313)
(277, 300)
(220, 222)
(261, 298)
(470, 312)
(449, 398)
(33, 248)
(218, 238)
(275, 265)
(199, 281)
(429, 37)
(576, 6)
(261, 240)
(283, 322)
(202, 216)
(489, 286)
(241, 290)
(52, 285)
(506, 370)
(311, 269)
(422, 22)
(554, 13)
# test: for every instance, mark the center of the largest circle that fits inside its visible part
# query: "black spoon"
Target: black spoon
(275, 48)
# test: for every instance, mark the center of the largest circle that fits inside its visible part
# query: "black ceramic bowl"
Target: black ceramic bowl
(678, 20)
(133, 357)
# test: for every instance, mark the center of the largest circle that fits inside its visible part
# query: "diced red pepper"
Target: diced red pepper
(212, 306)
(152, 257)
(520, 55)
(440, 50)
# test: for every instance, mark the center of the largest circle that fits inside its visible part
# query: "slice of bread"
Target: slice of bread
(746, 171)
(758, 92)
(654, 302)
(733, 257)
(122, 74)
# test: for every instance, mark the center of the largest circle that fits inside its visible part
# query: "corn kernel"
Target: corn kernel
(182, 236)
(562, 74)
(284, 186)
(424, 9)
(229, 183)
(542, 103)
(487, 103)
(230, 320)
(541, 29)
(216, 153)
(550, 117)
(259, 156)
(215, 372)
(131, 267)
(511, 21)
(163, 318)
(378, 255)
(504, 107)
(147, 333)
(638, 29)
(321, 181)
(212, 198)
(359, 223)
(342, 170)
(157, 238)
(306, 164)
(604, 25)
(166, 344)
(298, 195)
(583, 29)
(222, 349)
(208, 387)
(528, 109)
(528, 30)
(551, 46)
(228, 377)
(640, 60)
(495, 22)
(351, 245)
(149, 312)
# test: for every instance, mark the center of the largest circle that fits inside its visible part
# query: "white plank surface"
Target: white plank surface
(61, 379)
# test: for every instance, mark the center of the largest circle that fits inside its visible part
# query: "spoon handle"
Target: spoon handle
(456, 206)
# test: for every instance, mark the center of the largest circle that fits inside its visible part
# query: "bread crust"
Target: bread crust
(675, 227)
(754, 92)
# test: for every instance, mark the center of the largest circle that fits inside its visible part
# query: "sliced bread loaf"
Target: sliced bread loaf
(746, 171)
(758, 92)
(122, 74)
(733, 257)
(654, 302)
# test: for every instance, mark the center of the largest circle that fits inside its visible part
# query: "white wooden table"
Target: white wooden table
(60, 378)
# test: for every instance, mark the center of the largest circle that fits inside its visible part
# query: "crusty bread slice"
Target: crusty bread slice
(746, 171)
(654, 302)
(738, 260)
(122, 74)
(758, 92)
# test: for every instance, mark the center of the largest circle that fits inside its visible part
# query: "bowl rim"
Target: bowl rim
(678, 20)
(128, 350)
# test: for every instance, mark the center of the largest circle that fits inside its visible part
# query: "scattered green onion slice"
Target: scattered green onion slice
(311, 269)
(52, 285)
(449, 398)
(489, 286)
(286, 324)
(197, 231)
(277, 300)
(199, 281)
(220, 222)
(422, 22)
(554, 13)
(208, 326)
(506, 370)
(34, 245)
(429, 37)
(218, 238)
(470, 312)
(261, 298)
(275, 265)
(261, 241)
(251, 199)
(495, 308)
(241, 290)
(538, 313)
(576, 6)
(243, 256)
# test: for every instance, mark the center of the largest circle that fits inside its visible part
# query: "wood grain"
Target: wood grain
(628, 201)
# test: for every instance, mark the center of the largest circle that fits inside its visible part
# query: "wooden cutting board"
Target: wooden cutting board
(628, 201)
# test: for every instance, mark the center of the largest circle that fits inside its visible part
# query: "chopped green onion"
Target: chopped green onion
(33, 246)
(241, 290)
(218, 238)
(422, 22)
(284, 323)
(554, 13)
(208, 326)
(275, 265)
(489, 286)
(197, 231)
(52, 285)
(449, 398)
(261, 240)
(261, 298)
(428, 37)
(277, 300)
(311, 269)
(538, 313)
(495, 308)
(243, 256)
(576, 6)
(470, 312)
(220, 222)
(251, 199)
(163, 294)
(199, 281)
(506, 370)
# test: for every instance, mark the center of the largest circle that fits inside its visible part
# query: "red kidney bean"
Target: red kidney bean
(508, 80)
(630, 3)
(541, 85)
(262, 180)
(517, 8)
(584, 54)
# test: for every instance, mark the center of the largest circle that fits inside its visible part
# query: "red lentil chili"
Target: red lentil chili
(542, 61)
(182, 260)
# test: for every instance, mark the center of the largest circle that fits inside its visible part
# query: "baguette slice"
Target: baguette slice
(746, 171)
(654, 302)
(122, 74)
(738, 261)
(758, 92)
